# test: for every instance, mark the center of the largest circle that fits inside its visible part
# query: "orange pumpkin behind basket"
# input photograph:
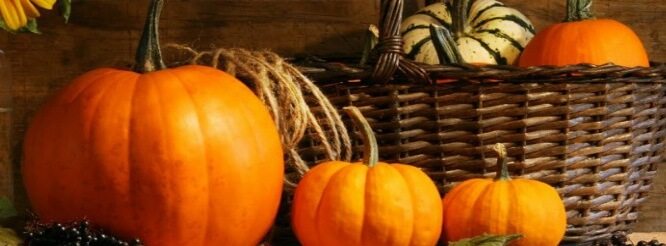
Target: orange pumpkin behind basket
(583, 39)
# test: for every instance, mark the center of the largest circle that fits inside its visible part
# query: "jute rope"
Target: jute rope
(283, 88)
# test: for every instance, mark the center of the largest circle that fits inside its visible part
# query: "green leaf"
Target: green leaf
(9, 238)
(31, 27)
(65, 7)
(7, 209)
(4, 26)
(487, 240)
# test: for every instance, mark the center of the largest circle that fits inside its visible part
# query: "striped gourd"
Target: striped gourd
(484, 31)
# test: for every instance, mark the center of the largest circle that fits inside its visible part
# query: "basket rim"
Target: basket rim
(331, 72)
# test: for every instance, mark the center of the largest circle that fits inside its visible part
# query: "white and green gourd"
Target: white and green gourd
(466, 31)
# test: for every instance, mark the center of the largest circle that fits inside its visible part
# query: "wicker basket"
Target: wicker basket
(599, 140)
(596, 133)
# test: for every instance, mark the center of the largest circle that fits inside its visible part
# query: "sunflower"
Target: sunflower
(16, 13)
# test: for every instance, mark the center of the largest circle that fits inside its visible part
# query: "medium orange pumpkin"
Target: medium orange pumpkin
(182, 156)
(340, 203)
(505, 206)
(583, 39)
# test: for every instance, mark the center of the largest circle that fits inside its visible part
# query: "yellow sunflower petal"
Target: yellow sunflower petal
(23, 20)
(30, 9)
(46, 4)
(9, 14)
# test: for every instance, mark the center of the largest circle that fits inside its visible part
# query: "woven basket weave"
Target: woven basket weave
(598, 141)
(596, 133)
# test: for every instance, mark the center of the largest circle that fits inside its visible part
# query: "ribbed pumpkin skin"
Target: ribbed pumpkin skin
(338, 203)
(522, 206)
(595, 41)
(183, 156)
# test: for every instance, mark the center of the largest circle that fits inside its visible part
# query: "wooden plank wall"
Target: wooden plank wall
(104, 32)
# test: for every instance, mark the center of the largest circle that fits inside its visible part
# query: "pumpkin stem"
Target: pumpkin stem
(370, 152)
(148, 55)
(445, 45)
(578, 10)
(459, 16)
(503, 173)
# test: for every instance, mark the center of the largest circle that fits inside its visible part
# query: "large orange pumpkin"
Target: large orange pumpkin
(583, 39)
(504, 206)
(182, 156)
(340, 203)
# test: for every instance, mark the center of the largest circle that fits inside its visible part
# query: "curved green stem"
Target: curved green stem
(459, 16)
(148, 54)
(445, 45)
(370, 152)
(503, 173)
(578, 10)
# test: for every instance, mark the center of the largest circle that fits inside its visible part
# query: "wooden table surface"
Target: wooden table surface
(647, 236)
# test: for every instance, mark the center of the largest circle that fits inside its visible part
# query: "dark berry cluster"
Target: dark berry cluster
(77, 233)
(622, 240)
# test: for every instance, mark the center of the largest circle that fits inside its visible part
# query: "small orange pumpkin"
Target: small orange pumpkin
(505, 206)
(340, 203)
(583, 39)
(174, 156)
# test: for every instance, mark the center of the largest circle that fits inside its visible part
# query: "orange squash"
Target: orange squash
(583, 39)
(174, 156)
(504, 206)
(340, 203)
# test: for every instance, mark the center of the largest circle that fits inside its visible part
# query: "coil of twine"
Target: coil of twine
(283, 89)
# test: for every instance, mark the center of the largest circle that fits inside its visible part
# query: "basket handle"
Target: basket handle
(389, 47)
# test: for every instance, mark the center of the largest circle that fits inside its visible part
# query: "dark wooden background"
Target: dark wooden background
(105, 32)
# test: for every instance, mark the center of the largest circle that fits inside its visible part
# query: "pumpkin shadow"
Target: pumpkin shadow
(282, 233)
